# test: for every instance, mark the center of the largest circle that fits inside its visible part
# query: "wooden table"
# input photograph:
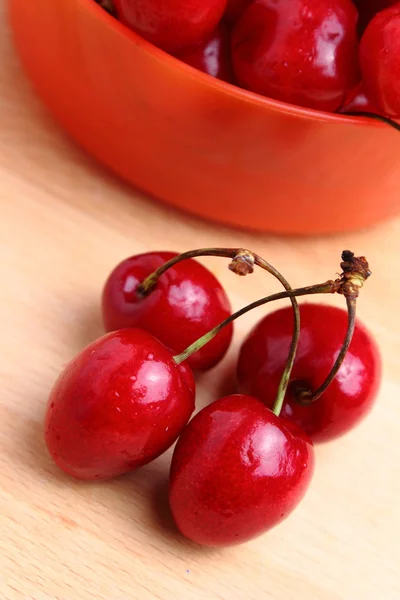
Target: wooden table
(64, 224)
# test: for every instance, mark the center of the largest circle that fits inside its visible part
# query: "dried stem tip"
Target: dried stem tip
(243, 262)
(355, 272)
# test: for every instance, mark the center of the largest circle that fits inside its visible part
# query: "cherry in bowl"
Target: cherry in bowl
(358, 101)
(212, 55)
(349, 397)
(303, 52)
(171, 24)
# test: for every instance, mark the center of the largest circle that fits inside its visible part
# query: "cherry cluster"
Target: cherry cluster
(331, 55)
(305, 374)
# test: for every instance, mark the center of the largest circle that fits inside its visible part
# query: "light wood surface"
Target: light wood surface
(64, 224)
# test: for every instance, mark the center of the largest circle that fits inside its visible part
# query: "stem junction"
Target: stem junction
(355, 271)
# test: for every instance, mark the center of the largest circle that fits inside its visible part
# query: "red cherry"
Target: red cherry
(351, 394)
(186, 303)
(234, 9)
(380, 60)
(173, 24)
(213, 55)
(299, 51)
(237, 470)
(358, 101)
(118, 405)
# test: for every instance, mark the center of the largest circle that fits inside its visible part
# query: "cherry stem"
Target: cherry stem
(354, 273)
(285, 378)
(328, 287)
(307, 396)
(242, 263)
(376, 116)
(146, 287)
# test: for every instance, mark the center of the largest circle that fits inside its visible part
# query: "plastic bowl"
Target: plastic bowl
(197, 143)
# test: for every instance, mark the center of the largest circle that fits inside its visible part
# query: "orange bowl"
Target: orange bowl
(201, 144)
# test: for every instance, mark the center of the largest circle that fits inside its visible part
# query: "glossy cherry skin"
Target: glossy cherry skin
(358, 101)
(186, 303)
(213, 55)
(348, 399)
(171, 24)
(380, 60)
(234, 9)
(117, 405)
(303, 52)
(237, 470)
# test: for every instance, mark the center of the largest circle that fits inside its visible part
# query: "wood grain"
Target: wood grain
(64, 224)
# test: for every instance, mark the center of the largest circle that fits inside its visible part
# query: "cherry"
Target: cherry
(186, 303)
(350, 396)
(358, 101)
(380, 60)
(213, 55)
(299, 51)
(173, 24)
(117, 405)
(235, 8)
(237, 470)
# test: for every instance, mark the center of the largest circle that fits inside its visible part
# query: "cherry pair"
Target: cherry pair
(182, 301)
(126, 398)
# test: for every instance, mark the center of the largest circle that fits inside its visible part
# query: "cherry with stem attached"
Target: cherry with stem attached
(177, 299)
(343, 377)
(354, 273)
(347, 399)
(242, 264)
(120, 403)
(183, 304)
(238, 468)
(124, 399)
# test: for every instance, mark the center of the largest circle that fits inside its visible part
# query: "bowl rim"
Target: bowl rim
(223, 86)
